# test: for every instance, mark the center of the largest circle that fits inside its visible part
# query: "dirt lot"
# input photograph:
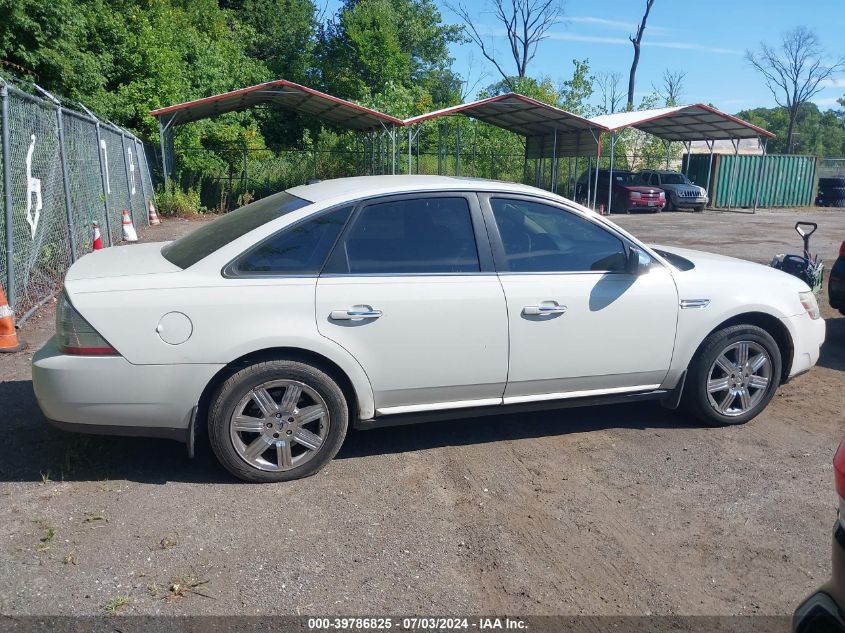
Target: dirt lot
(625, 509)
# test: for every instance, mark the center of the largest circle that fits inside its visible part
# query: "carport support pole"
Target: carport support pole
(410, 150)
(589, 179)
(760, 174)
(688, 148)
(162, 130)
(554, 164)
(65, 184)
(710, 145)
(575, 190)
(7, 197)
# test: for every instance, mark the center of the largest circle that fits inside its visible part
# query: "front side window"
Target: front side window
(417, 236)
(188, 250)
(541, 238)
(298, 250)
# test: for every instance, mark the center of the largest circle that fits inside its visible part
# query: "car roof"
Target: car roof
(361, 186)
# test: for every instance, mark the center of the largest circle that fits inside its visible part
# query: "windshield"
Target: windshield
(190, 249)
(674, 179)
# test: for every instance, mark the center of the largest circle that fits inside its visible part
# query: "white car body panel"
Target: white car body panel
(618, 331)
(442, 342)
(422, 351)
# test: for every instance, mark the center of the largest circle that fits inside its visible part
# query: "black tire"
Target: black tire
(668, 207)
(696, 398)
(233, 390)
(699, 208)
(835, 181)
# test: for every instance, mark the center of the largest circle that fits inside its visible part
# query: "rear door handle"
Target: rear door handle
(355, 313)
(544, 308)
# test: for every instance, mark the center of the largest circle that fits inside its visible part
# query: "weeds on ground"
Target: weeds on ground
(167, 542)
(182, 586)
(113, 606)
(93, 517)
(47, 538)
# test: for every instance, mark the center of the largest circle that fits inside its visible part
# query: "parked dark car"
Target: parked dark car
(628, 193)
(836, 282)
(824, 610)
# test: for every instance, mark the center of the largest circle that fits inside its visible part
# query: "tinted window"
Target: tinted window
(300, 249)
(426, 235)
(200, 243)
(542, 238)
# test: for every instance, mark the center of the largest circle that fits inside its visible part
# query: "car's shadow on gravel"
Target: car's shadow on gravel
(833, 350)
(516, 426)
(32, 450)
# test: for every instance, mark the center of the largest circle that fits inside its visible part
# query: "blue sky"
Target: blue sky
(706, 39)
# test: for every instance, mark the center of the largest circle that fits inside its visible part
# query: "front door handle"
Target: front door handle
(355, 313)
(544, 308)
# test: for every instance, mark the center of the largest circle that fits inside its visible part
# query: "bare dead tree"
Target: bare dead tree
(468, 85)
(609, 86)
(636, 40)
(671, 86)
(794, 71)
(526, 24)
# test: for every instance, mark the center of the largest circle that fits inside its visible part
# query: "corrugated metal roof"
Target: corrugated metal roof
(284, 94)
(535, 120)
(683, 123)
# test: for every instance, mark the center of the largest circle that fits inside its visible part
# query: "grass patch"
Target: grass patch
(113, 606)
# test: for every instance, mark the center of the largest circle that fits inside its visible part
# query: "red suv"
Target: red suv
(629, 194)
(824, 611)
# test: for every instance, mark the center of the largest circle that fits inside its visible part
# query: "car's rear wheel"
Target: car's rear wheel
(276, 421)
(733, 376)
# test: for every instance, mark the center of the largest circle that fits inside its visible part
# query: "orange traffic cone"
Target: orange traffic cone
(8, 335)
(129, 234)
(154, 221)
(98, 239)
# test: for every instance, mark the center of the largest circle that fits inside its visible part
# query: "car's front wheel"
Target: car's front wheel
(276, 421)
(733, 376)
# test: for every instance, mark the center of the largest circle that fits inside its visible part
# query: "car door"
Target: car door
(580, 324)
(410, 291)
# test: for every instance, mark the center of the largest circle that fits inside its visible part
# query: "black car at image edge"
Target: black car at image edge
(824, 611)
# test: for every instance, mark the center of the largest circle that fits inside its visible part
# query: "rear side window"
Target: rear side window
(299, 250)
(199, 244)
(424, 235)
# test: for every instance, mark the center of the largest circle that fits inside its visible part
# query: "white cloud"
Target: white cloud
(838, 82)
(611, 24)
(616, 41)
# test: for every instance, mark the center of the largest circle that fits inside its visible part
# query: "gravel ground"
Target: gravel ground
(627, 509)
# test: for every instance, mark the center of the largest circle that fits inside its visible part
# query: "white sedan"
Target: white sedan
(384, 300)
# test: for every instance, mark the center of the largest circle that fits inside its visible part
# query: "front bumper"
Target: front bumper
(807, 338)
(688, 201)
(824, 610)
(108, 394)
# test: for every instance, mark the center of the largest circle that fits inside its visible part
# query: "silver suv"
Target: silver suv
(680, 192)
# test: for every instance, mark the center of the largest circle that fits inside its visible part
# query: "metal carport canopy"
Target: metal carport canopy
(548, 130)
(697, 122)
(286, 95)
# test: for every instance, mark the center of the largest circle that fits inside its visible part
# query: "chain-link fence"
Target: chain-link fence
(62, 171)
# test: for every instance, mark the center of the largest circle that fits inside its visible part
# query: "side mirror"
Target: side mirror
(638, 261)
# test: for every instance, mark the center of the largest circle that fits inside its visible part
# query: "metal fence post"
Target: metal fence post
(66, 185)
(103, 179)
(7, 195)
(129, 182)
(139, 147)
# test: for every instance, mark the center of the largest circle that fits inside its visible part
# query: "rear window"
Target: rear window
(188, 250)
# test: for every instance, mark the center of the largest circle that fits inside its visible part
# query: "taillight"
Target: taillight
(75, 335)
(839, 469)
(842, 250)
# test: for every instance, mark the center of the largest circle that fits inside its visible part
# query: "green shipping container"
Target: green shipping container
(784, 180)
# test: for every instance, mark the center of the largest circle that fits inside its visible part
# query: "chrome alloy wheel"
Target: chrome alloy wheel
(279, 425)
(738, 378)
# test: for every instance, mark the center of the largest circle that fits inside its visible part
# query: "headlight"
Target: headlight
(808, 300)
(635, 195)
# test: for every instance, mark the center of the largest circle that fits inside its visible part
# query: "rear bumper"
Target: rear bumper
(824, 610)
(807, 338)
(108, 394)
